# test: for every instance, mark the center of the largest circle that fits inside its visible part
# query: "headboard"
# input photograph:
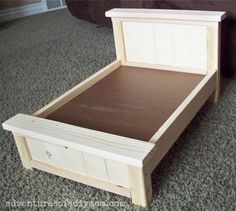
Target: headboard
(181, 40)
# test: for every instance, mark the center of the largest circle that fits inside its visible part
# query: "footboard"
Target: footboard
(102, 160)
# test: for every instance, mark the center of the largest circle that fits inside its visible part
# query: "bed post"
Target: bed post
(23, 150)
(214, 46)
(119, 40)
(140, 186)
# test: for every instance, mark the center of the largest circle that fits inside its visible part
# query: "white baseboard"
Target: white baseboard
(22, 11)
(57, 8)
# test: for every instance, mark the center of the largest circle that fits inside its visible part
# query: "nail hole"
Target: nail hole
(48, 154)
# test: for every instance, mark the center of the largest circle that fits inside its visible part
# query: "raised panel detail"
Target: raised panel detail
(180, 45)
(198, 46)
(96, 166)
(79, 162)
(139, 40)
(166, 44)
(117, 173)
(163, 36)
(74, 160)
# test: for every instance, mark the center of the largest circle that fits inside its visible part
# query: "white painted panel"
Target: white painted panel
(95, 166)
(53, 154)
(82, 163)
(45, 152)
(164, 44)
(56, 155)
(139, 42)
(131, 41)
(198, 46)
(147, 43)
(181, 50)
(73, 160)
(36, 149)
(118, 173)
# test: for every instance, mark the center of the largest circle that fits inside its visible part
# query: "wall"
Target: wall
(12, 9)
(7, 4)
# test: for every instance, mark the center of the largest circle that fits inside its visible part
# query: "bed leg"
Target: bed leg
(216, 94)
(214, 97)
(141, 186)
(23, 150)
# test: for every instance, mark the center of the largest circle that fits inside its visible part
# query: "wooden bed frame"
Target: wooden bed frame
(112, 130)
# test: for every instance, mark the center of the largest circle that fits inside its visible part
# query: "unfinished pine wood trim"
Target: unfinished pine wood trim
(195, 15)
(81, 178)
(166, 136)
(78, 89)
(214, 47)
(118, 148)
(23, 150)
(183, 105)
(119, 40)
(166, 21)
(167, 67)
(140, 186)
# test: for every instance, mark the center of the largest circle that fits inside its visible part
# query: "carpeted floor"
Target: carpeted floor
(44, 55)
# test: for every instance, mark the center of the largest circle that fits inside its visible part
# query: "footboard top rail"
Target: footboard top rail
(122, 149)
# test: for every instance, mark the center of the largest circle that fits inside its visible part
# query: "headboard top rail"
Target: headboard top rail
(192, 15)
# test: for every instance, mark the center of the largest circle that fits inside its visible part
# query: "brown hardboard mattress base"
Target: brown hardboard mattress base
(131, 101)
